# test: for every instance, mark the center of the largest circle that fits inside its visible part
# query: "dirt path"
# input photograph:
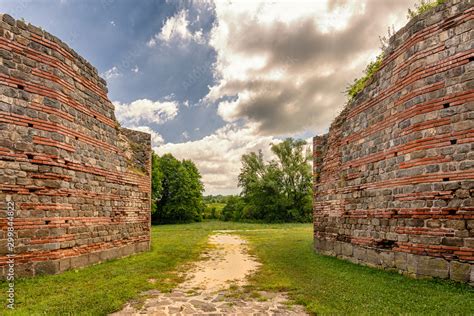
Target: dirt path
(215, 287)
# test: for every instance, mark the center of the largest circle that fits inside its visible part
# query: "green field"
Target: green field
(322, 284)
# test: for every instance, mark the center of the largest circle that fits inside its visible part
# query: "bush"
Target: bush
(232, 211)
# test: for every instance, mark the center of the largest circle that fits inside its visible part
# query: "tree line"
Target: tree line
(278, 190)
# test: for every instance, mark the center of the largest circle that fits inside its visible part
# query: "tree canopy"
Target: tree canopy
(274, 191)
(176, 190)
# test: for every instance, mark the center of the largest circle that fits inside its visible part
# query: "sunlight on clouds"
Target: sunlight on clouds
(281, 69)
(228, 110)
(145, 110)
(176, 28)
(275, 58)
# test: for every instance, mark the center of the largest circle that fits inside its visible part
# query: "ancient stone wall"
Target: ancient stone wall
(80, 183)
(394, 177)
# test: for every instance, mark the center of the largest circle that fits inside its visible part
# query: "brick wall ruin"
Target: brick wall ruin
(80, 183)
(394, 177)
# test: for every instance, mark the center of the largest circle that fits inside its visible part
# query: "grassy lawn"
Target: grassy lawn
(326, 285)
(322, 284)
(104, 288)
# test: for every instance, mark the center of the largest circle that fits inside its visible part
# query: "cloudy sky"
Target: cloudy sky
(214, 80)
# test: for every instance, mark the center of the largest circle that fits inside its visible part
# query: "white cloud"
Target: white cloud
(143, 111)
(176, 28)
(135, 69)
(111, 73)
(218, 155)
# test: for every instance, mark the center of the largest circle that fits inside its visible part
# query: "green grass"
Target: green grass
(327, 285)
(104, 288)
(322, 284)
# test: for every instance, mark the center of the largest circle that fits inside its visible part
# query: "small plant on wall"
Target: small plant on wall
(422, 7)
(359, 84)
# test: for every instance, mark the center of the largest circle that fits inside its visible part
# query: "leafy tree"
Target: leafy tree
(233, 209)
(293, 163)
(277, 191)
(156, 182)
(180, 191)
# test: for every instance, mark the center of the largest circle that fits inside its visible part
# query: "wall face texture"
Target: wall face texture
(80, 183)
(394, 177)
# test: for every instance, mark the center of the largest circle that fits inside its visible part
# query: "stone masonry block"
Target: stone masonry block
(429, 266)
(347, 249)
(360, 254)
(459, 271)
(46, 267)
(401, 261)
(64, 264)
(373, 258)
(79, 261)
(387, 259)
(142, 246)
(127, 250)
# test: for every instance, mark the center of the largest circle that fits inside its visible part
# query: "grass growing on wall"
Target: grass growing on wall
(423, 7)
(359, 84)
